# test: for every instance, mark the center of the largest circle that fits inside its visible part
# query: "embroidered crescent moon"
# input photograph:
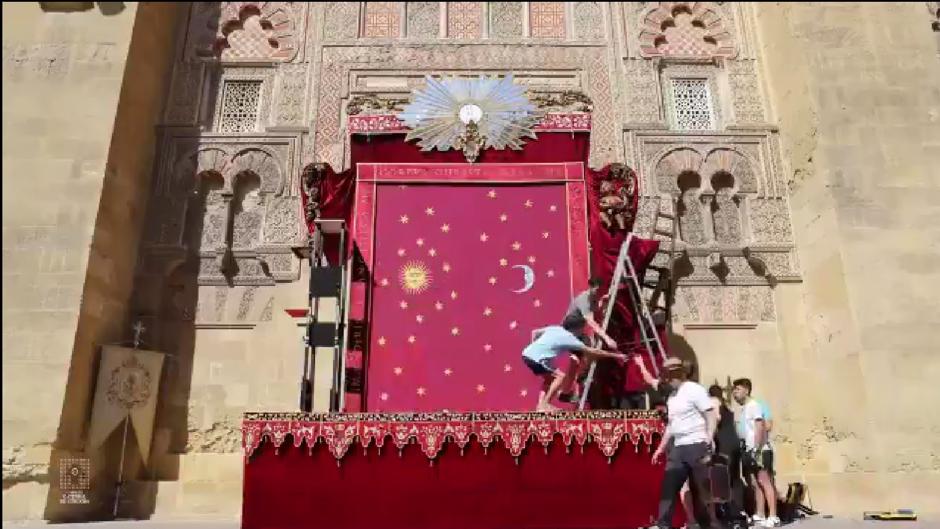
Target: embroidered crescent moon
(529, 277)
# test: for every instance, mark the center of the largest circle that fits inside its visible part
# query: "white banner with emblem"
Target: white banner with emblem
(128, 381)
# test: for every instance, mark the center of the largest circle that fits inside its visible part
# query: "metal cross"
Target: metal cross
(138, 330)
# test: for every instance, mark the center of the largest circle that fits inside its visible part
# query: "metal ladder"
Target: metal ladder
(662, 288)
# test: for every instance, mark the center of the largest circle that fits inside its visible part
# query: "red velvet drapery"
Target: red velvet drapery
(336, 201)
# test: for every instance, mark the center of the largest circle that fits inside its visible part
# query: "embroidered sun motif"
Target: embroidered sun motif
(414, 277)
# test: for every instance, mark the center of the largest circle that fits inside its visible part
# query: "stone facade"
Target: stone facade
(767, 130)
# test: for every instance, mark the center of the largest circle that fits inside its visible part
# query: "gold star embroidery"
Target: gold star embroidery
(550, 273)
(384, 282)
(384, 396)
(484, 237)
(516, 245)
(507, 368)
(401, 252)
(481, 388)
(453, 294)
(411, 339)
(537, 303)
(503, 262)
(403, 219)
(492, 280)
(403, 304)
(432, 252)
(553, 209)
(487, 311)
(382, 341)
(429, 211)
(544, 234)
(504, 217)
(445, 228)
(446, 267)
(439, 306)
(455, 331)
(531, 259)
(419, 318)
(528, 203)
(487, 347)
(513, 325)
(523, 393)
(421, 392)
(447, 372)
(397, 371)
(420, 242)
(492, 193)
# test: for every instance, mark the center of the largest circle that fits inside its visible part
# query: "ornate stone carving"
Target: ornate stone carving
(382, 20)
(267, 311)
(246, 222)
(282, 222)
(244, 305)
(292, 85)
(506, 19)
(338, 61)
(589, 21)
(244, 31)
(724, 304)
(547, 20)
(674, 163)
(221, 297)
(342, 20)
(747, 103)
(569, 100)
(770, 221)
(184, 95)
(424, 19)
(643, 101)
(726, 218)
(464, 20)
(685, 29)
(262, 163)
(373, 104)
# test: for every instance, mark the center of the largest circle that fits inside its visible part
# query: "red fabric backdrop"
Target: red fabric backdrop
(449, 319)
(337, 200)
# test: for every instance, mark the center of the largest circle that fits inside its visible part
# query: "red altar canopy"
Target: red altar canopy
(337, 191)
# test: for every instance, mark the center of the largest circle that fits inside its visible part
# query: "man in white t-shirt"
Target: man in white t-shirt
(690, 440)
(758, 460)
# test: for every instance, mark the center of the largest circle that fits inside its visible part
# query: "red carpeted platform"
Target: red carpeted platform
(450, 471)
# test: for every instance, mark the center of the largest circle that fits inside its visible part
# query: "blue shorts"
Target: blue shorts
(541, 368)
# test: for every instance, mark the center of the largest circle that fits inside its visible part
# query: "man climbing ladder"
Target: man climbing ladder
(626, 273)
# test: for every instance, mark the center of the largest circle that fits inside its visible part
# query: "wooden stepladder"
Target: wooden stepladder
(625, 274)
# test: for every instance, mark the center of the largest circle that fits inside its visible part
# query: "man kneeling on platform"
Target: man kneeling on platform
(551, 344)
(690, 440)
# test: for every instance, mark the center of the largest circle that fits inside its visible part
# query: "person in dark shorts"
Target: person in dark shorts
(728, 448)
(689, 441)
(549, 345)
(758, 458)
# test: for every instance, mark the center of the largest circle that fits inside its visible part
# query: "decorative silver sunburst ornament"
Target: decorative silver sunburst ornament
(470, 115)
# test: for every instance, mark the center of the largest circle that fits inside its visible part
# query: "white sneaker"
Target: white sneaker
(773, 521)
(757, 521)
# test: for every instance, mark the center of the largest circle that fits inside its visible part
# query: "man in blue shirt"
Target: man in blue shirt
(550, 344)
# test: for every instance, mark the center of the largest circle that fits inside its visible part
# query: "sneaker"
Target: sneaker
(757, 521)
(772, 521)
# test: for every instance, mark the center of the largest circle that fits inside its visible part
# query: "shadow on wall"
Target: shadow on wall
(163, 299)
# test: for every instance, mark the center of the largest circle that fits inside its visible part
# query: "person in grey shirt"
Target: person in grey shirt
(587, 303)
